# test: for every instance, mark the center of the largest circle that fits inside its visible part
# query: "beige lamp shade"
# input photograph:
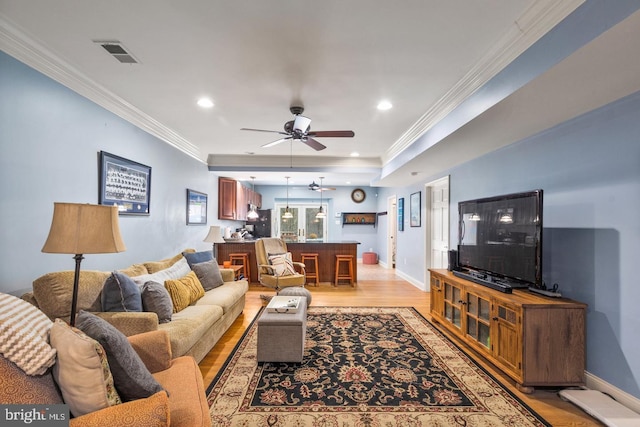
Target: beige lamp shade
(215, 235)
(84, 229)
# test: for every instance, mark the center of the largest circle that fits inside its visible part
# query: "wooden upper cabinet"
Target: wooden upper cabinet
(234, 199)
(227, 198)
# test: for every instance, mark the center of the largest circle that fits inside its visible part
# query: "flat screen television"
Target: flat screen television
(500, 240)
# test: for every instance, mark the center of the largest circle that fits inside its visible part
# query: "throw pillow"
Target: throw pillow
(120, 293)
(156, 299)
(198, 257)
(24, 333)
(155, 266)
(132, 379)
(184, 291)
(209, 274)
(282, 264)
(179, 269)
(82, 371)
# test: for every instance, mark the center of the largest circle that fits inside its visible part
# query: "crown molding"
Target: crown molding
(19, 45)
(534, 23)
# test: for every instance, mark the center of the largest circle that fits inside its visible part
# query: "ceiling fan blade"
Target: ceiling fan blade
(271, 144)
(263, 130)
(313, 143)
(332, 134)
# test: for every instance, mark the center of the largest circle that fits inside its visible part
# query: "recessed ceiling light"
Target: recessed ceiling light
(205, 103)
(355, 154)
(384, 105)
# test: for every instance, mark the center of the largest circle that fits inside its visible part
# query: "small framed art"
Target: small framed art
(196, 208)
(414, 209)
(401, 214)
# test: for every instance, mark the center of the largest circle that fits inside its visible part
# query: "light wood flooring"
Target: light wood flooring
(378, 286)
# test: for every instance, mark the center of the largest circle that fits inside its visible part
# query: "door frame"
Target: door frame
(392, 230)
(428, 223)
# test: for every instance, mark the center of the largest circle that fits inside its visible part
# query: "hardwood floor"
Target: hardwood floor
(378, 286)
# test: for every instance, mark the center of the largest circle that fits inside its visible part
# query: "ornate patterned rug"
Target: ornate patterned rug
(363, 366)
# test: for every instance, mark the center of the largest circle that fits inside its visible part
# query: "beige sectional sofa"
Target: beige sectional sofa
(192, 331)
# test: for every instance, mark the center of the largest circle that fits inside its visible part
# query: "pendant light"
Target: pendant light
(321, 213)
(287, 214)
(252, 214)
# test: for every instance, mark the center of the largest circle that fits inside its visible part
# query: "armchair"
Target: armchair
(266, 272)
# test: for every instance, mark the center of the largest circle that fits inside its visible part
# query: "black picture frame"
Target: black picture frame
(415, 216)
(401, 214)
(196, 207)
(125, 184)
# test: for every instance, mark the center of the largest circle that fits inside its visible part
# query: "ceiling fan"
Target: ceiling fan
(315, 187)
(299, 129)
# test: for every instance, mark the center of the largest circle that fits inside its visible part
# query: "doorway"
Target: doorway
(437, 229)
(392, 231)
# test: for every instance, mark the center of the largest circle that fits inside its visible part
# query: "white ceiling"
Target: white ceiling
(256, 58)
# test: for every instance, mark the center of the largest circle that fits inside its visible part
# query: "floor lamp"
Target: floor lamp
(83, 229)
(214, 236)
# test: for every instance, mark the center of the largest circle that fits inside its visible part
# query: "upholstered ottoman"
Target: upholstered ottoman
(281, 335)
(296, 291)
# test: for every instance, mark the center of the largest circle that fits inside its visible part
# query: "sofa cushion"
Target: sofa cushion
(184, 291)
(132, 379)
(135, 270)
(156, 299)
(155, 266)
(53, 291)
(226, 295)
(198, 257)
(179, 269)
(24, 335)
(188, 326)
(82, 371)
(209, 274)
(120, 293)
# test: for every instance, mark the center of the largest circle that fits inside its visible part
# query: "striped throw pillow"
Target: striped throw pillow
(24, 335)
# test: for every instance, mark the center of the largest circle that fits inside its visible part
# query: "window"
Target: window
(304, 226)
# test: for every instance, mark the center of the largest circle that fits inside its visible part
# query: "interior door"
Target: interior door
(439, 223)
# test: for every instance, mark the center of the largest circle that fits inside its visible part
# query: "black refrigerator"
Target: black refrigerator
(262, 225)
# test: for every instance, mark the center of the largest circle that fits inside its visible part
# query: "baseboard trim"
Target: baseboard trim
(595, 383)
(411, 280)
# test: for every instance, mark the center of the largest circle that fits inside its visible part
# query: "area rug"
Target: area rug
(363, 366)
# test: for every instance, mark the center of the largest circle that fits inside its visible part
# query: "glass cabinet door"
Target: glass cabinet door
(452, 304)
(477, 317)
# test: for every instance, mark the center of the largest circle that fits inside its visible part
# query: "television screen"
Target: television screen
(502, 236)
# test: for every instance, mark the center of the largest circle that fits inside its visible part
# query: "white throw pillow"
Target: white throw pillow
(176, 271)
(282, 264)
(24, 335)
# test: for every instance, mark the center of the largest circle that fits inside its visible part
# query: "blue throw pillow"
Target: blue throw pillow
(131, 377)
(120, 293)
(197, 257)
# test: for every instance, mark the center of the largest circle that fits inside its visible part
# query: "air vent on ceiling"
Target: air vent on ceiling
(117, 50)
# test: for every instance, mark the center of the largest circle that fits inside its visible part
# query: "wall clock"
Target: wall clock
(358, 195)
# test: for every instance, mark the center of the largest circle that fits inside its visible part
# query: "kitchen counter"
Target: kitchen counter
(326, 250)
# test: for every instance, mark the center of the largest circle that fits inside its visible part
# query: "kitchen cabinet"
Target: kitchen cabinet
(234, 199)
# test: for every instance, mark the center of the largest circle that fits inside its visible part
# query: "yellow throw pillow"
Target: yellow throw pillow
(184, 291)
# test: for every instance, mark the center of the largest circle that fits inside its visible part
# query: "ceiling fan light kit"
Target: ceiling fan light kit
(299, 129)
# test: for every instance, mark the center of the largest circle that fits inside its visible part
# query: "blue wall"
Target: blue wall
(49, 143)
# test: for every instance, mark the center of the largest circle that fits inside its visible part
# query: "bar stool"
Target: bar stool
(244, 258)
(315, 274)
(348, 259)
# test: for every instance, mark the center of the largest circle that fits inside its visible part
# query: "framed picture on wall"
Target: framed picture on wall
(401, 214)
(196, 208)
(414, 209)
(125, 184)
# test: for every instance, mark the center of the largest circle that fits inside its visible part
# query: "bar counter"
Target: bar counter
(326, 251)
